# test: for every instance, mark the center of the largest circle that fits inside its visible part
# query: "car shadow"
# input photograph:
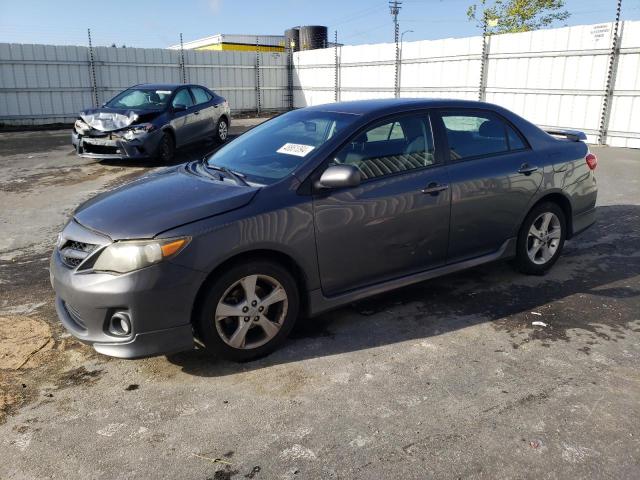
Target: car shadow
(587, 289)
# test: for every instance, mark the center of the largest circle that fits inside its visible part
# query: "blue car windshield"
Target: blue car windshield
(141, 99)
(272, 150)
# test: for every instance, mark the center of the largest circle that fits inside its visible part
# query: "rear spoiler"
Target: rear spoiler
(572, 135)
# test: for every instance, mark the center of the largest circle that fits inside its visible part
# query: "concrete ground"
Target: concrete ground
(445, 379)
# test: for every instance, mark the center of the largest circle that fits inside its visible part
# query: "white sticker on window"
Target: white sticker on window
(163, 92)
(296, 149)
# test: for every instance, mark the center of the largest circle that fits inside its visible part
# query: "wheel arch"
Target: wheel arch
(170, 131)
(563, 202)
(276, 256)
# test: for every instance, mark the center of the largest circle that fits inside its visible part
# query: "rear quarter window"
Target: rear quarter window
(200, 95)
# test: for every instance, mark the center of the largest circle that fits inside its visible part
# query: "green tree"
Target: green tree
(509, 16)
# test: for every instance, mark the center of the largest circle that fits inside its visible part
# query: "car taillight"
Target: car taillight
(592, 161)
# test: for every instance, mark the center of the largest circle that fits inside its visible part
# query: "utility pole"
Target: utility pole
(336, 92)
(611, 77)
(483, 58)
(182, 67)
(394, 9)
(92, 68)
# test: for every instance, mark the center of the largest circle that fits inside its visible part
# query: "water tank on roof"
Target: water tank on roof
(312, 37)
(292, 38)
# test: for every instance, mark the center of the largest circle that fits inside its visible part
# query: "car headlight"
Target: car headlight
(127, 256)
(81, 127)
(137, 130)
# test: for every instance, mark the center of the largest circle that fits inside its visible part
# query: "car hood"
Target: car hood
(159, 202)
(109, 119)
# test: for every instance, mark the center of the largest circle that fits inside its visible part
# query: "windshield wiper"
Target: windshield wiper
(235, 175)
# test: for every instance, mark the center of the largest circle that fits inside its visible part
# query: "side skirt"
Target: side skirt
(319, 303)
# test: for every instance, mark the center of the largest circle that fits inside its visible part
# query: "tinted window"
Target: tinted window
(391, 147)
(471, 135)
(200, 95)
(515, 141)
(182, 98)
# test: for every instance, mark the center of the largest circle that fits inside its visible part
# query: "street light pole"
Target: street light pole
(400, 62)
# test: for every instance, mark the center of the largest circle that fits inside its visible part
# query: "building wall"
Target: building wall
(241, 47)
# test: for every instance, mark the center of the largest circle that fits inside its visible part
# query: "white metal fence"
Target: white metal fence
(44, 84)
(555, 78)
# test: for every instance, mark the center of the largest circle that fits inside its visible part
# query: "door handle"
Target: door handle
(197, 112)
(434, 188)
(527, 169)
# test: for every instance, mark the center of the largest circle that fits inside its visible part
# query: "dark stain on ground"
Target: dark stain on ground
(27, 143)
(132, 387)
(79, 376)
(225, 474)
(60, 177)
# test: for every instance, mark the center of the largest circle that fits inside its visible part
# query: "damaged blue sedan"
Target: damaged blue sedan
(151, 121)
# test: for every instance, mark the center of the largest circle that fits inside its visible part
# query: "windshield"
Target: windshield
(141, 99)
(275, 148)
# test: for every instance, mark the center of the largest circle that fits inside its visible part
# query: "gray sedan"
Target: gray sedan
(312, 210)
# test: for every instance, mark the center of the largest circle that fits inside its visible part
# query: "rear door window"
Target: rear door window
(183, 97)
(477, 134)
(200, 95)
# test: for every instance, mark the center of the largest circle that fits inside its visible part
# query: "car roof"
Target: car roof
(390, 105)
(165, 86)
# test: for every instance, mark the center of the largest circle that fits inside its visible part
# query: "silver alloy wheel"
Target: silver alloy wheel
(543, 238)
(223, 130)
(251, 311)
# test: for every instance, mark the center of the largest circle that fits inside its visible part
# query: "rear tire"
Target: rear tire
(166, 149)
(222, 130)
(541, 239)
(248, 311)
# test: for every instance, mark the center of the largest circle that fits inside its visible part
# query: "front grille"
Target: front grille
(73, 253)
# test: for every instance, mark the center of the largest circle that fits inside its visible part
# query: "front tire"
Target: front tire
(248, 311)
(541, 239)
(166, 149)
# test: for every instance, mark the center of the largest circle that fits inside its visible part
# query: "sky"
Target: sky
(158, 23)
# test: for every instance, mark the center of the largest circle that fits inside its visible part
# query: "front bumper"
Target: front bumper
(158, 299)
(115, 147)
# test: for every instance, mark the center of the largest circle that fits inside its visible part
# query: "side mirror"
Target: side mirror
(179, 108)
(338, 176)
